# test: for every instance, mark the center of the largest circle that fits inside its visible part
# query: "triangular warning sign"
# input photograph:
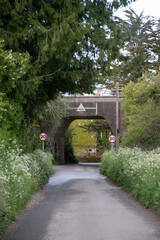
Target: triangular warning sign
(81, 108)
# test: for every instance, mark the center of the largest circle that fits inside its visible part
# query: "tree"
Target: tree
(13, 67)
(142, 113)
(52, 114)
(47, 119)
(156, 47)
(139, 49)
(65, 39)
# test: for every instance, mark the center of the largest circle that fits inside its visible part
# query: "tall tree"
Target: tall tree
(139, 51)
(156, 46)
(66, 41)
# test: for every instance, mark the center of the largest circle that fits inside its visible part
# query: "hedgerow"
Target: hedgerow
(137, 171)
(21, 175)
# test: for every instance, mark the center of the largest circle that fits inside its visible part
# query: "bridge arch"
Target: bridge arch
(87, 107)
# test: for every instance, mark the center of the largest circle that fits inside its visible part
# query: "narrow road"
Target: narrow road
(80, 204)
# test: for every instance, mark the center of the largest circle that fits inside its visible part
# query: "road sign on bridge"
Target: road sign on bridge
(81, 108)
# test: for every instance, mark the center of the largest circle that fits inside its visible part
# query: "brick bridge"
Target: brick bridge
(87, 107)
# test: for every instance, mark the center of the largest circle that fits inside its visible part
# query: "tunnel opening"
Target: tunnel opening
(86, 140)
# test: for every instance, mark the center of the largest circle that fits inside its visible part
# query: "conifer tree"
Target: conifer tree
(139, 49)
(156, 47)
(65, 39)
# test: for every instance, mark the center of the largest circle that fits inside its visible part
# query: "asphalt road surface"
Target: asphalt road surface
(80, 204)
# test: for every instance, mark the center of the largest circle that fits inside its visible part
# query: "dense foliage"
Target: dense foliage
(20, 176)
(49, 47)
(13, 67)
(68, 42)
(14, 123)
(137, 171)
(142, 113)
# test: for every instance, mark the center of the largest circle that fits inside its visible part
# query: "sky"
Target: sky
(150, 7)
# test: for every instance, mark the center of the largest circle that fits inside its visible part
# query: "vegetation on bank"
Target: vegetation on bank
(23, 167)
(137, 171)
(21, 175)
(142, 113)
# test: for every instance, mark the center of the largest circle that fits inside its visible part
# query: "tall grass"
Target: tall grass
(137, 171)
(20, 176)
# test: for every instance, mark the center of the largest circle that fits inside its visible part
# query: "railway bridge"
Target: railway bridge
(87, 107)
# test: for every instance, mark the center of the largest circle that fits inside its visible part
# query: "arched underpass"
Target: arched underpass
(87, 107)
(89, 138)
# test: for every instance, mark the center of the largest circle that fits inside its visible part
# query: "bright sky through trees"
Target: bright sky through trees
(150, 7)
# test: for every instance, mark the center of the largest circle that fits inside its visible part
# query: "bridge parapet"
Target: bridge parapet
(93, 98)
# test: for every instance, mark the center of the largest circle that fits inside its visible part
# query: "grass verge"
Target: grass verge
(21, 175)
(137, 171)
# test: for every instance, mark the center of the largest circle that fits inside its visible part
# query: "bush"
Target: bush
(20, 176)
(137, 171)
(142, 113)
